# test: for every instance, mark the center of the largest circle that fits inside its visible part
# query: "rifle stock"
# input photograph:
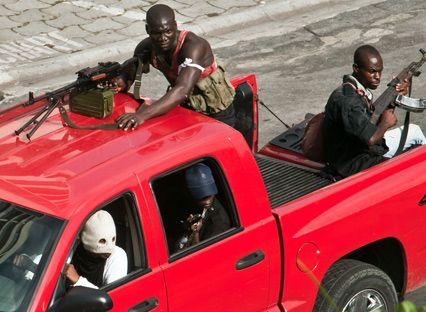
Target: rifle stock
(388, 97)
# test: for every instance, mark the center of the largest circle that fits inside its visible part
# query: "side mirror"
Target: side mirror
(83, 299)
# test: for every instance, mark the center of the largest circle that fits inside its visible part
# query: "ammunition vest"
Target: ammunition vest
(212, 94)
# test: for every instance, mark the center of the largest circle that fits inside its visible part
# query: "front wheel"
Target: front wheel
(355, 286)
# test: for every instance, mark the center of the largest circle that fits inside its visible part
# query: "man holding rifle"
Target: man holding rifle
(187, 62)
(353, 142)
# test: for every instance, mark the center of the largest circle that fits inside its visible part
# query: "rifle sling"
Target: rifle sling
(138, 79)
(404, 134)
(69, 123)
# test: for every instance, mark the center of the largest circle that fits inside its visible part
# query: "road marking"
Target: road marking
(111, 10)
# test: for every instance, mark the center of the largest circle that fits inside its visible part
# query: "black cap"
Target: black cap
(200, 181)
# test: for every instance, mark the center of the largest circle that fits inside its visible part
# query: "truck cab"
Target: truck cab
(54, 183)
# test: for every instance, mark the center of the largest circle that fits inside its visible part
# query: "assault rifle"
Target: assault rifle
(87, 78)
(390, 96)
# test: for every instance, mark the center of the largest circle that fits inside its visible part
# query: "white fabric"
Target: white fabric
(392, 137)
(115, 268)
(98, 235)
(188, 63)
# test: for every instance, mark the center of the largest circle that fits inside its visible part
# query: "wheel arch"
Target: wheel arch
(388, 255)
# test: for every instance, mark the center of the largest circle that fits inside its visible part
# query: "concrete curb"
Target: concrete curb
(123, 49)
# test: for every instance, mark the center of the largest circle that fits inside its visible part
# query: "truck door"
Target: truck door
(142, 289)
(226, 270)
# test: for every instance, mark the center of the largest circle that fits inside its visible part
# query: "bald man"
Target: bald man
(186, 60)
(353, 142)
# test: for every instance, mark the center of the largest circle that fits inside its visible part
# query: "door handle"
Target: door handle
(145, 306)
(250, 260)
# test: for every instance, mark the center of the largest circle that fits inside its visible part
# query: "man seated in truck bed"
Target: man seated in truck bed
(352, 141)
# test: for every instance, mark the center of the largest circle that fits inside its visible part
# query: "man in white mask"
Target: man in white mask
(97, 260)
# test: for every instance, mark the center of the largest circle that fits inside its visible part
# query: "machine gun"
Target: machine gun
(391, 97)
(87, 78)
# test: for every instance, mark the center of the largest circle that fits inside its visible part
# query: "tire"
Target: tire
(355, 286)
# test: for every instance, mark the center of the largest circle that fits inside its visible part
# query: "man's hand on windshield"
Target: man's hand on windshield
(129, 121)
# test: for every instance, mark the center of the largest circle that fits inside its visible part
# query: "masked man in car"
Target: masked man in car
(97, 260)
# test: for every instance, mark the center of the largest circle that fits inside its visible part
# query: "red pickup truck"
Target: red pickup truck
(296, 241)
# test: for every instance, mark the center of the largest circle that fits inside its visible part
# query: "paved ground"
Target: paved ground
(42, 38)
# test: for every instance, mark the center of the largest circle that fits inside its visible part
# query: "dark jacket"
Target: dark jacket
(347, 129)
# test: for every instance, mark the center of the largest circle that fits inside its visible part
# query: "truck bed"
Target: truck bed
(285, 181)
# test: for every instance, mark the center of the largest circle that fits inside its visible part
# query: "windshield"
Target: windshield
(26, 241)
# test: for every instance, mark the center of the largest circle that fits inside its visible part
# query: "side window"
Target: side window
(129, 236)
(108, 248)
(195, 205)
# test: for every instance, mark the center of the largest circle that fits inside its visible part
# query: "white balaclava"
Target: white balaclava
(98, 235)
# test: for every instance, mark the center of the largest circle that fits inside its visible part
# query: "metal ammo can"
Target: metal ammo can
(96, 103)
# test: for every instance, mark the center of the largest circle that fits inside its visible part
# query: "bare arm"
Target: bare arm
(179, 93)
(176, 95)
